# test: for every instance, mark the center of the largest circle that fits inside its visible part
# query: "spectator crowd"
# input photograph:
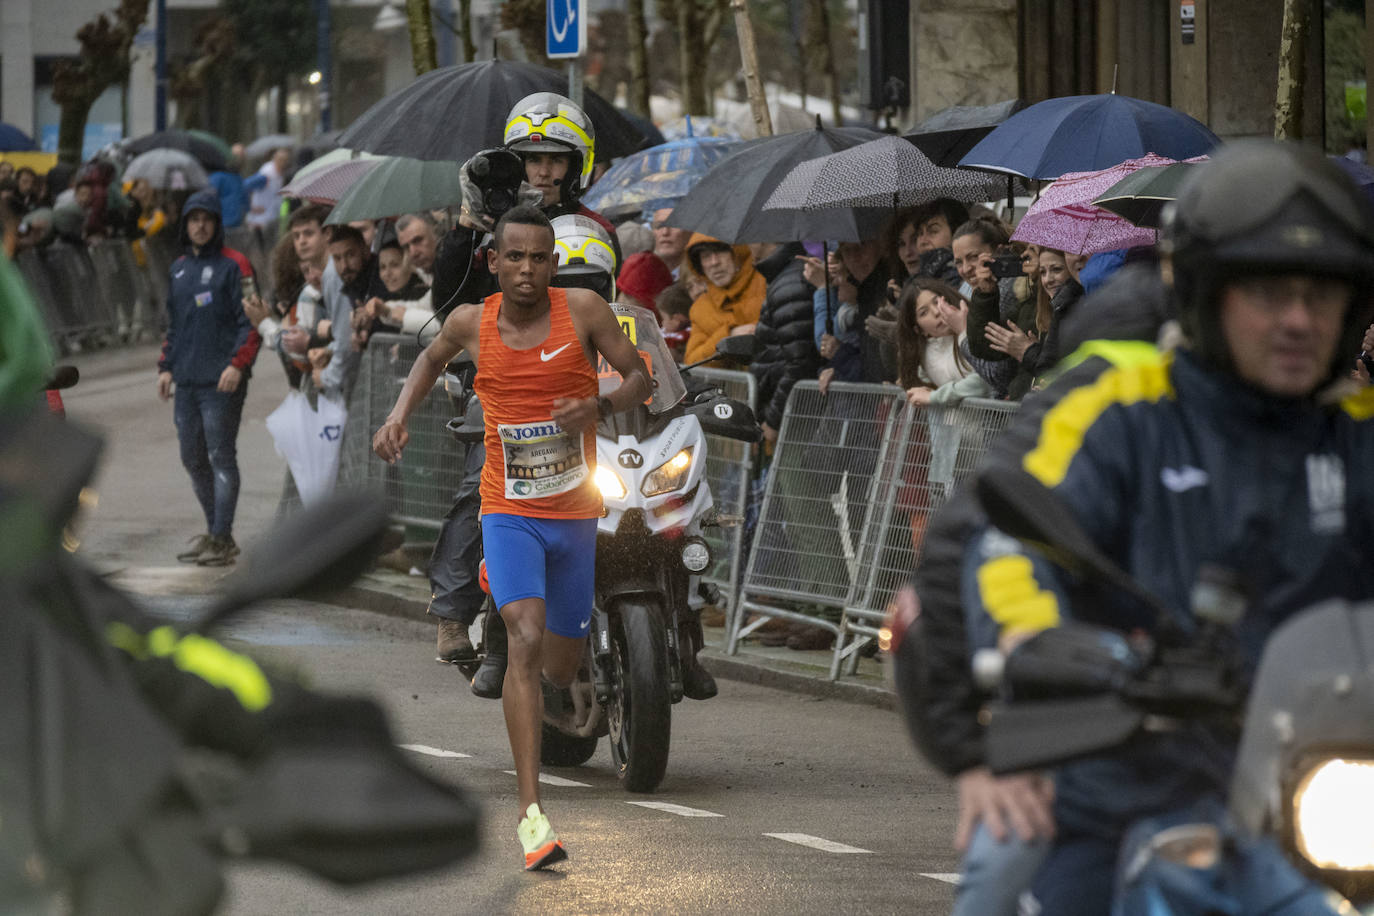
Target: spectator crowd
(941, 302)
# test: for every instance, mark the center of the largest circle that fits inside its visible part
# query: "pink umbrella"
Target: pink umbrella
(1065, 218)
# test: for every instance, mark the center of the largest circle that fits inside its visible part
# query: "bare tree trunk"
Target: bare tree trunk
(749, 57)
(692, 63)
(465, 16)
(422, 50)
(1292, 61)
(827, 61)
(1368, 76)
(638, 89)
(71, 130)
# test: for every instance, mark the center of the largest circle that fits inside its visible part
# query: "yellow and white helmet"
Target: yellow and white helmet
(586, 255)
(550, 123)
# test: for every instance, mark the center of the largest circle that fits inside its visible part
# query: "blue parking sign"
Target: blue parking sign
(565, 30)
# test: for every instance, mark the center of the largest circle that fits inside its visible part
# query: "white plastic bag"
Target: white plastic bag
(309, 440)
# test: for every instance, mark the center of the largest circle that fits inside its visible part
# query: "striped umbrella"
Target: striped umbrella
(327, 184)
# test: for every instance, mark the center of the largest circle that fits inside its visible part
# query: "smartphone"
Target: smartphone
(1006, 265)
(250, 287)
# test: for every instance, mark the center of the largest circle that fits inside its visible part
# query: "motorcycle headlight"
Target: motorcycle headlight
(608, 482)
(668, 476)
(1333, 807)
(696, 554)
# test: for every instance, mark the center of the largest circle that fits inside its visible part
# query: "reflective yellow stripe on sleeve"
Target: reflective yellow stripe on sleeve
(1361, 404)
(198, 656)
(1067, 422)
(1013, 598)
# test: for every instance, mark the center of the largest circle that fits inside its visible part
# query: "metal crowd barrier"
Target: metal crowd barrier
(856, 476)
(96, 295)
(421, 486)
(937, 449)
(823, 485)
(730, 472)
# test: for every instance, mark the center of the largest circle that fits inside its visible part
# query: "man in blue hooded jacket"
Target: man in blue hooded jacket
(208, 354)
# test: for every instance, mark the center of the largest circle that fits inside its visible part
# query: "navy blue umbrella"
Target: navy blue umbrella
(1087, 133)
(14, 140)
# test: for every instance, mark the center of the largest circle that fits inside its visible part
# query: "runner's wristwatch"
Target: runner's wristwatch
(603, 407)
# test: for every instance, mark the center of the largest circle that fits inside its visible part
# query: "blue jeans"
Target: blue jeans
(208, 427)
(993, 875)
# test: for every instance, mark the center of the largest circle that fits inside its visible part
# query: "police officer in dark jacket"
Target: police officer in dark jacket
(1236, 455)
(208, 353)
(785, 352)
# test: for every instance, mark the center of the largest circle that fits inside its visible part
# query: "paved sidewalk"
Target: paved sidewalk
(387, 592)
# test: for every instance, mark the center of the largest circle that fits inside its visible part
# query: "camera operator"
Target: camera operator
(546, 158)
(555, 143)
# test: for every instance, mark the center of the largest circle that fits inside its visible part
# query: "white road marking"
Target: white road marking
(431, 751)
(815, 842)
(679, 810)
(948, 879)
(548, 780)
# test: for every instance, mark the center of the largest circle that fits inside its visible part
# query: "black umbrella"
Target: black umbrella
(727, 203)
(454, 112)
(947, 135)
(652, 135)
(205, 152)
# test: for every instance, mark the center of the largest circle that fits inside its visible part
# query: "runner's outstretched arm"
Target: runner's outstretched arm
(459, 333)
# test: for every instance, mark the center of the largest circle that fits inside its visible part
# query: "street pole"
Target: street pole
(324, 62)
(160, 68)
(1292, 63)
(575, 81)
(749, 56)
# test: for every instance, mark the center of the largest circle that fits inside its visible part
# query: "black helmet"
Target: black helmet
(1261, 207)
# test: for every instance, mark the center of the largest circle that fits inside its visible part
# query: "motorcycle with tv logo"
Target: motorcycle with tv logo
(651, 471)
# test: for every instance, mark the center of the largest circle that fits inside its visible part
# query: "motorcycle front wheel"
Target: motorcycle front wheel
(639, 712)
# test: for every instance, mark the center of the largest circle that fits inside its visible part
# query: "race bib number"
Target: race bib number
(540, 459)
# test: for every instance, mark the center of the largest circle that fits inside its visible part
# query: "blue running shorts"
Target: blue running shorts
(549, 558)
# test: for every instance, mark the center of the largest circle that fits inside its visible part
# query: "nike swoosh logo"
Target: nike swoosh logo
(545, 357)
(1183, 479)
(585, 622)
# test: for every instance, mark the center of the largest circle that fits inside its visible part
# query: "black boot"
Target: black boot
(490, 677)
(697, 683)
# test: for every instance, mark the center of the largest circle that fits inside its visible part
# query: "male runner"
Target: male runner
(536, 351)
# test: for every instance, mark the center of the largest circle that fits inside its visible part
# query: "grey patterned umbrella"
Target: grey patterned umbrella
(887, 172)
(167, 170)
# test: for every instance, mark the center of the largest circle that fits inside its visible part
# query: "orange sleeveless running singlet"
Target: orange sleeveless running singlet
(533, 467)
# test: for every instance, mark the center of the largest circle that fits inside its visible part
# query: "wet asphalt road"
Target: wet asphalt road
(867, 824)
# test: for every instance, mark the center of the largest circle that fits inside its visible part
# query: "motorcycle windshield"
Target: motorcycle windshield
(641, 327)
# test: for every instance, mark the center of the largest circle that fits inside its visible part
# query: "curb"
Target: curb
(727, 667)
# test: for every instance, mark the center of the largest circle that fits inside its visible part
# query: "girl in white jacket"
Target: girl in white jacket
(934, 363)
